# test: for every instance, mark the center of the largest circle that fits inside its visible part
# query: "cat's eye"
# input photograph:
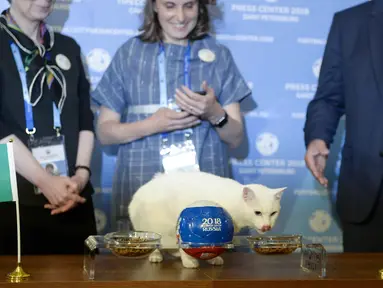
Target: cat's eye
(272, 214)
(258, 213)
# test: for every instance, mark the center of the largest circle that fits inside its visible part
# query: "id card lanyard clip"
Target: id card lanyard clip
(28, 109)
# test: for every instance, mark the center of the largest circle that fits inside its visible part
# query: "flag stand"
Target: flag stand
(17, 275)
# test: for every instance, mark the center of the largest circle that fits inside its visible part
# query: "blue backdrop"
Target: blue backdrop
(278, 45)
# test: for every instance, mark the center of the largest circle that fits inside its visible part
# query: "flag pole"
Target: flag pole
(17, 275)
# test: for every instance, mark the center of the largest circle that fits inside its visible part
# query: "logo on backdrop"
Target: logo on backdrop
(270, 13)
(134, 6)
(132, 2)
(320, 221)
(316, 67)
(267, 144)
(98, 59)
(305, 90)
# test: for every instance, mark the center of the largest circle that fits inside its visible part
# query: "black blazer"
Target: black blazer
(351, 84)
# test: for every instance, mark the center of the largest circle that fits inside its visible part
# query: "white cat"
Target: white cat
(157, 205)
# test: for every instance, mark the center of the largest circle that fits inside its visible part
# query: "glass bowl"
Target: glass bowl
(132, 244)
(283, 244)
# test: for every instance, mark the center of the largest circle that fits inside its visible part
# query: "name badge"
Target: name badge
(50, 153)
(181, 157)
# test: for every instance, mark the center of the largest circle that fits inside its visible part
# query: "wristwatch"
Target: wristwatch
(221, 121)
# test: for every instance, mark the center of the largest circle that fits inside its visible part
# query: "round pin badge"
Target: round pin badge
(206, 55)
(63, 62)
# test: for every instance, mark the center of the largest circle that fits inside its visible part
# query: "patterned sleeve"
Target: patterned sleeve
(110, 90)
(233, 86)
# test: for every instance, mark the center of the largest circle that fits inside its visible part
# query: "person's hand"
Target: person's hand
(165, 120)
(70, 204)
(60, 192)
(315, 158)
(202, 106)
(81, 178)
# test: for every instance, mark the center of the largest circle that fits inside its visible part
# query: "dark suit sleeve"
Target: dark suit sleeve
(4, 130)
(86, 114)
(327, 106)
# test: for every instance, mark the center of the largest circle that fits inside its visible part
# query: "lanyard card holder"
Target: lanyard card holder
(179, 156)
(50, 153)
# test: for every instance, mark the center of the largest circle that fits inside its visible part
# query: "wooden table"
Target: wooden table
(241, 270)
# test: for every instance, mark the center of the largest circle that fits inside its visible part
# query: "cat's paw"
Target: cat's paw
(156, 256)
(176, 254)
(216, 261)
(188, 261)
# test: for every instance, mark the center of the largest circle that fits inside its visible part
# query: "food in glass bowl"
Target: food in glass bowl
(132, 244)
(284, 244)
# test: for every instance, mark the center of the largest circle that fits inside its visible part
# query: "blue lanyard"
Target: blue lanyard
(27, 104)
(162, 73)
(162, 78)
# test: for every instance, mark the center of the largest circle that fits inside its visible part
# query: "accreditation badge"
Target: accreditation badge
(50, 153)
(179, 157)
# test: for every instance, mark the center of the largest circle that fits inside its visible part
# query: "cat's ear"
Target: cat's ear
(278, 192)
(248, 194)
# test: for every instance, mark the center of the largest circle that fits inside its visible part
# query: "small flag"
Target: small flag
(8, 193)
(8, 182)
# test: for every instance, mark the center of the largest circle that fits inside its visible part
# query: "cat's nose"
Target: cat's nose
(266, 228)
